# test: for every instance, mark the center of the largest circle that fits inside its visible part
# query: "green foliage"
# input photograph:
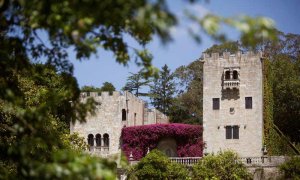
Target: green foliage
(135, 82)
(108, 87)
(229, 46)
(157, 166)
(286, 88)
(291, 168)
(36, 106)
(75, 142)
(253, 31)
(162, 90)
(187, 105)
(86, 26)
(90, 89)
(269, 133)
(68, 164)
(281, 91)
(276, 144)
(223, 166)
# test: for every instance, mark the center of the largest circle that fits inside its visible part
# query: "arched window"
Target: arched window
(123, 115)
(235, 75)
(227, 75)
(98, 139)
(106, 140)
(91, 140)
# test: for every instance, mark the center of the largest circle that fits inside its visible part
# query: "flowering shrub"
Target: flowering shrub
(139, 138)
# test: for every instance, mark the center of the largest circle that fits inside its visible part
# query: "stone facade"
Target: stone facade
(114, 112)
(233, 103)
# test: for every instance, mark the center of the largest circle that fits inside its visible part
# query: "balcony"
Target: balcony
(187, 161)
(231, 84)
(102, 151)
(231, 78)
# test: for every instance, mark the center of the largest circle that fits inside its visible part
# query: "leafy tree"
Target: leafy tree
(90, 89)
(224, 165)
(157, 166)
(230, 46)
(162, 90)
(187, 106)
(291, 168)
(107, 86)
(284, 83)
(35, 112)
(135, 82)
(286, 90)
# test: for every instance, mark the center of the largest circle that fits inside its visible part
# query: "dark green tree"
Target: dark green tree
(90, 89)
(187, 105)
(284, 56)
(107, 86)
(291, 168)
(162, 90)
(135, 82)
(230, 46)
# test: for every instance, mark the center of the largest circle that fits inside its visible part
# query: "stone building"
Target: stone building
(113, 112)
(233, 103)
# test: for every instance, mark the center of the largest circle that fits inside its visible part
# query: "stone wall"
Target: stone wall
(154, 116)
(232, 111)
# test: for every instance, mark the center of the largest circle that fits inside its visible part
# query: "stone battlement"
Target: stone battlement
(106, 95)
(228, 56)
(97, 94)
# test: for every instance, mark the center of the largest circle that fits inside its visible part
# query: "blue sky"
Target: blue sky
(183, 49)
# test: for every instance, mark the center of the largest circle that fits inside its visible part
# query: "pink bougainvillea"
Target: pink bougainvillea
(139, 138)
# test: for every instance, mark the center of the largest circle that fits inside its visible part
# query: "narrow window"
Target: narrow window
(235, 132)
(123, 115)
(134, 118)
(216, 103)
(227, 75)
(232, 132)
(106, 140)
(91, 140)
(248, 102)
(228, 132)
(235, 75)
(88, 93)
(98, 139)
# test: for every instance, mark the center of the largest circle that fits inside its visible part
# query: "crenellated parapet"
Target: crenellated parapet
(229, 56)
(110, 96)
(231, 59)
(102, 95)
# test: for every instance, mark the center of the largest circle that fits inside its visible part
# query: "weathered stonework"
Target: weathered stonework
(232, 78)
(109, 119)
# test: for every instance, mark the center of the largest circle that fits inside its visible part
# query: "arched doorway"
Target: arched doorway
(168, 146)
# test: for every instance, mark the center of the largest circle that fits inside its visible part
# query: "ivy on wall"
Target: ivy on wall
(276, 144)
(138, 139)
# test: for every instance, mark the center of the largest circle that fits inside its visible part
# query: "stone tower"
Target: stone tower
(233, 103)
